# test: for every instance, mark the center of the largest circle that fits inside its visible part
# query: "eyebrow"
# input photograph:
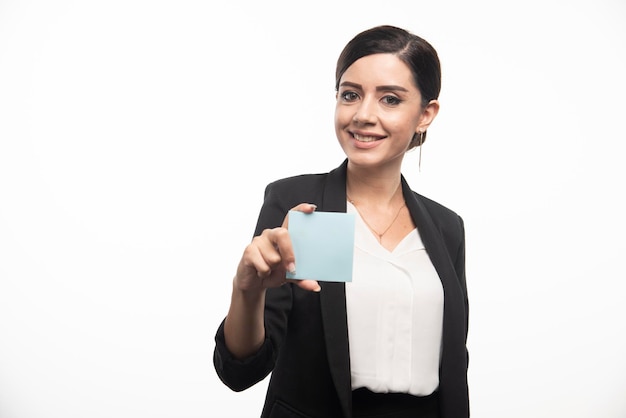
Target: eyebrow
(378, 88)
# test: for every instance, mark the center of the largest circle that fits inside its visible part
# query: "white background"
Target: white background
(136, 138)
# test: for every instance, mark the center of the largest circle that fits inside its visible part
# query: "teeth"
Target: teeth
(362, 138)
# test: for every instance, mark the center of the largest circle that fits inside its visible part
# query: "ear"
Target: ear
(428, 115)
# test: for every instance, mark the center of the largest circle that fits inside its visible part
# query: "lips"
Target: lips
(366, 138)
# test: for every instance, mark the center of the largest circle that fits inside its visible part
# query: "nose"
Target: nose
(365, 113)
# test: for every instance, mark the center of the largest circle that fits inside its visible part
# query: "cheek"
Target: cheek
(400, 124)
(342, 116)
(407, 123)
(337, 120)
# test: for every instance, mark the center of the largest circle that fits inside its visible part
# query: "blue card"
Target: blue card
(323, 244)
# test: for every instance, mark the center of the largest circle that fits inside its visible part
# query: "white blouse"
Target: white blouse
(395, 315)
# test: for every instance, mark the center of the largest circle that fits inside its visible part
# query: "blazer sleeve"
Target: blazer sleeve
(453, 231)
(459, 265)
(237, 374)
(455, 241)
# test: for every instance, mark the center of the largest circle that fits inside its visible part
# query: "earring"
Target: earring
(420, 142)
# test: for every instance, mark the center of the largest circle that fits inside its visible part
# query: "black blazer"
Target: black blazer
(306, 346)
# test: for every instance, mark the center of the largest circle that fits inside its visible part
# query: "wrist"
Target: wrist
(246, 291)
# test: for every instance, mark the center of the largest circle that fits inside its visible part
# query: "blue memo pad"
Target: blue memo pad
(323, 244)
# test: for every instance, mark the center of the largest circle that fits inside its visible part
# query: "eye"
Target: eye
(391, 100)
(349, 96)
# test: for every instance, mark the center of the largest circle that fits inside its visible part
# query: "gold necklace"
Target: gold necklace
(380, 235)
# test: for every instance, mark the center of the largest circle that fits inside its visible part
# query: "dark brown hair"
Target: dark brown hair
(415, 52)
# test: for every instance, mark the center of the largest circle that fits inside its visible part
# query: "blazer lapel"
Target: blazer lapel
(453, 356)
(333, 301)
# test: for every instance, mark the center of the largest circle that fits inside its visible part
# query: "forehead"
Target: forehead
(378, 70)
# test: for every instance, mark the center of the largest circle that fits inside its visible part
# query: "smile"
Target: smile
(364, 138)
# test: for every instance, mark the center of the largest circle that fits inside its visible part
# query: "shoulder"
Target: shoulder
(298, 181)
(319, 179)
(306, 187)
(296, 188)
(283, 194)
(436, 209)
(447, 221)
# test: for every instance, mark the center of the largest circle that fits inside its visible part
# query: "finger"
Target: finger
(302, 207)
(280, 241)
(310, 285)
(259, 257)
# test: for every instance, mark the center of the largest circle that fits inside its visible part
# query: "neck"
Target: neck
(377, 190)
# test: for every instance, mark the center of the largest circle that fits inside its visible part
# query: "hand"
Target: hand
(269, 256)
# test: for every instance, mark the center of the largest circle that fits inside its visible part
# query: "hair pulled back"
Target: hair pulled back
(414, 51)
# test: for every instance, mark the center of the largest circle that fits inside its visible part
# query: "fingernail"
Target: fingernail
(314, 206)
(291, 268)
(317, 289)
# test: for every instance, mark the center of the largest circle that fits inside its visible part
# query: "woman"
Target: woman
(391, 343)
